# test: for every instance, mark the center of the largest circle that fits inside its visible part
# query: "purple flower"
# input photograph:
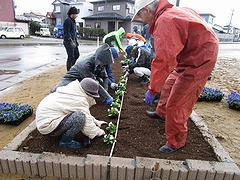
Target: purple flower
(13, 112)
(234, 99)
(211, 94)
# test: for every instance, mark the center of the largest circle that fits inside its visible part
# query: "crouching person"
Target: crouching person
(66, 112)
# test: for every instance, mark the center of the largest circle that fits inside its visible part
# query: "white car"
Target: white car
(44, 32)
(12, 32)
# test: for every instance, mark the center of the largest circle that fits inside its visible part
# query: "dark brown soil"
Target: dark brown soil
(138, 134)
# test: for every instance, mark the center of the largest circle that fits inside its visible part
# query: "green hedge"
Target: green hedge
(90, 33)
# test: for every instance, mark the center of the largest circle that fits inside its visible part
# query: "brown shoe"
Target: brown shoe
(153, 114)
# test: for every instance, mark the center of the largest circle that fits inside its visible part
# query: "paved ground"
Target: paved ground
(9, 82)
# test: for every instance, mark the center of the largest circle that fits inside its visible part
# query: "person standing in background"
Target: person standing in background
(136, 30)
(149, 39)
(70, 37)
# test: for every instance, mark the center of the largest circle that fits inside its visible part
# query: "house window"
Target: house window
(57, 8)
(97, 25)
(100, 8)
(210, 20)
(116, 7)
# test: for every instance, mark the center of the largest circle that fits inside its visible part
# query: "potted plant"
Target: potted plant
(234, 101)
(211, 94)
(14, 113)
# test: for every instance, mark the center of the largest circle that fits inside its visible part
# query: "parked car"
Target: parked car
(58, 31)
(12, 32)
(44, 32)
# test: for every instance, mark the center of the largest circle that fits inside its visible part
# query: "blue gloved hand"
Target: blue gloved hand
(108, 100)
(149, 97)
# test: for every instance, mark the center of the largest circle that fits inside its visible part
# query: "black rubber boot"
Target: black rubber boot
(86, 142)
(145, 79)
(67, 141)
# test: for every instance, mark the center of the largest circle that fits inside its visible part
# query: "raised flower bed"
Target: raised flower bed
(234, 101)
(14, 113)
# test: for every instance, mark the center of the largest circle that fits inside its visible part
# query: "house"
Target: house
(111, 15)
(50, 19)
(61, 8)
(7, 16)
(208, 17)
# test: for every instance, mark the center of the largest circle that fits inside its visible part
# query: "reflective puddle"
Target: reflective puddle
(4, 72)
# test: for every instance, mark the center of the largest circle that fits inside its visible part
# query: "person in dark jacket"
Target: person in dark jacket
(141, 65)
(70, 37)
(93, 66)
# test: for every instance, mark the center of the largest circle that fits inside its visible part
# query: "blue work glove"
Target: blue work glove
(149, 97)
(108, 100)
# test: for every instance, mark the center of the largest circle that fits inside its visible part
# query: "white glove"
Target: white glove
(101, 132)
(114, 86)
(99, 123)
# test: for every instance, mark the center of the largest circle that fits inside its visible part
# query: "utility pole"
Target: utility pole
(177, 2)
(230, 22)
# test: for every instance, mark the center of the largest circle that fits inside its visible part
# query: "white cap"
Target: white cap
(140, 43)
(139, 4)
(132, 42)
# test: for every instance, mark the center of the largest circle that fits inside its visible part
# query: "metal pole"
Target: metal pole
(230, 22)
(177, 2)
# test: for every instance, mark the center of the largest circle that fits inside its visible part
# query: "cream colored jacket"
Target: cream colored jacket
(54, 107)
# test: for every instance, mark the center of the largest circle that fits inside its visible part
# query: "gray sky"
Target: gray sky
(220, 8)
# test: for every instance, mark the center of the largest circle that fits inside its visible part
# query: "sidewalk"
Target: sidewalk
(33, 40)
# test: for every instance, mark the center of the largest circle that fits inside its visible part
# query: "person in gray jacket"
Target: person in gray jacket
(93, 66)
(66, 112)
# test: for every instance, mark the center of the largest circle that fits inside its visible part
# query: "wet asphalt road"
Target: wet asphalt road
(33, 53)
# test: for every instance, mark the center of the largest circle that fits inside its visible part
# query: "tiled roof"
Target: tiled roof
(52, 16)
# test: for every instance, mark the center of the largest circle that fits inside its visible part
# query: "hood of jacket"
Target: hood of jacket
(121, 31)
(161, 7)
(103, 55)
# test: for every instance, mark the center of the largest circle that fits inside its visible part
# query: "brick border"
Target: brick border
(114, 168)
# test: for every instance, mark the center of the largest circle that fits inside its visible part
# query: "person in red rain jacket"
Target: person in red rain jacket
(186, 50)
